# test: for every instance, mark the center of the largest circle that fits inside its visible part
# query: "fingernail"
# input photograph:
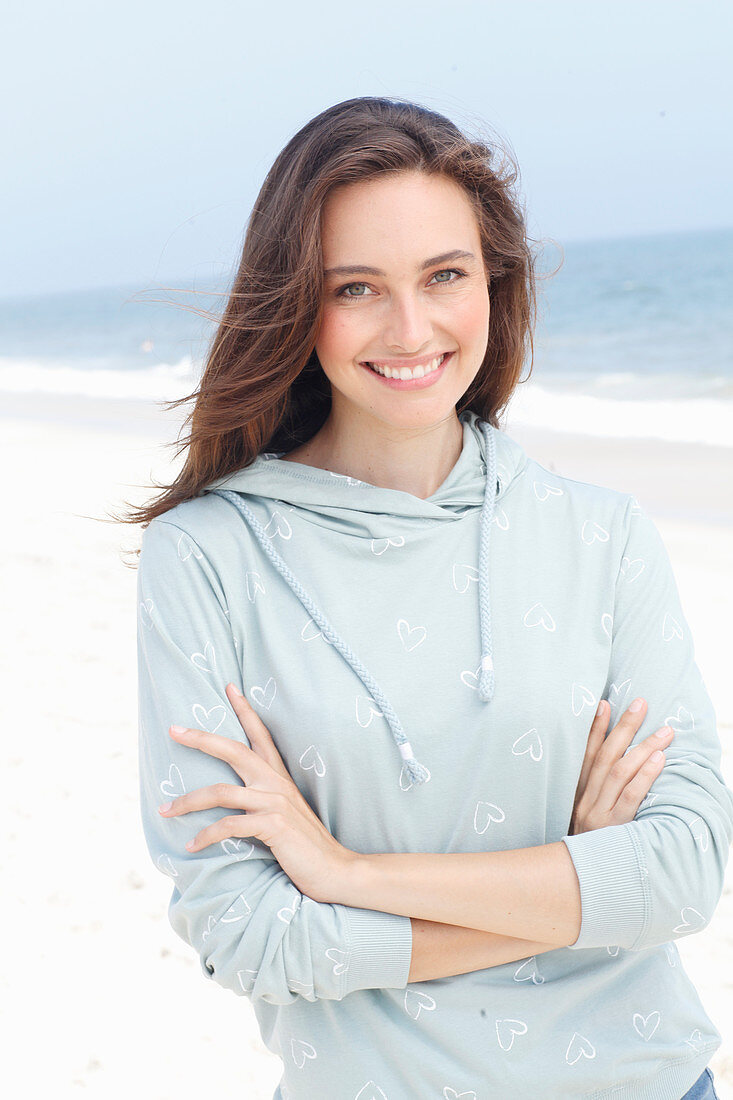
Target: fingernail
(657, 756)
(164, 806)
(178, 729)
(636, 705)
(600, 709)
(236, 690)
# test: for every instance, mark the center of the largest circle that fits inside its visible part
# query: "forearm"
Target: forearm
(442, 950)
(525, 893)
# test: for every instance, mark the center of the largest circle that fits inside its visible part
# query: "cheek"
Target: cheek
(339, 336)
(471, 319)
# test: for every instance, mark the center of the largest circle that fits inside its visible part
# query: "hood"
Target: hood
(488, 464)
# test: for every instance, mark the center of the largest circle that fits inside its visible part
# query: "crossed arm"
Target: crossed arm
(468, 911)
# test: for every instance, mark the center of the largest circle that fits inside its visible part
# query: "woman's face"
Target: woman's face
(415, 289)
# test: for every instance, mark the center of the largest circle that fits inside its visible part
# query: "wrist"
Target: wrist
(350, 882)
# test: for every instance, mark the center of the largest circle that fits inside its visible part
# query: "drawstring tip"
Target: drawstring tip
(417, 772)
(486, 686)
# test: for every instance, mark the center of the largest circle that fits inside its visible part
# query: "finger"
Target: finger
(595, 740)
(637, 789)
(617, 741)
(227, 795)
(623, 771)
(246, 763)
(238, 825)
(257, 732)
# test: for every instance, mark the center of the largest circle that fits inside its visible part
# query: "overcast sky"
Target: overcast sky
(135, 136)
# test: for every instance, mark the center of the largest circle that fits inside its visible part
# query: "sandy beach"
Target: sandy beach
(100, 997)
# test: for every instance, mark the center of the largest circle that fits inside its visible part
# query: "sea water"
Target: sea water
(634, 338)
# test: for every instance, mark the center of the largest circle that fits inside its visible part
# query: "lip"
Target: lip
(411, 383)
(395, 364)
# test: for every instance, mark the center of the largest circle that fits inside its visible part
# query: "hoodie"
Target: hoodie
(429, 671)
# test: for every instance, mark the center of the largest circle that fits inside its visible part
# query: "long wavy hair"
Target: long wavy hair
(262, 387)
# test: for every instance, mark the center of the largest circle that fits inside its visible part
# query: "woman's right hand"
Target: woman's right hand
(612, 785)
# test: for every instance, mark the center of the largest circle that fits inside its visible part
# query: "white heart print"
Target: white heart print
(529, 742)
(463, 575)
(618, 692)
(470, 679)
(264, 696)
(683, 721)
(646, 1025)
(528, 972)
(543, 491)
(538, 615)
(238, 910)
(593, 532)
(287, 912)
(300, 1051)
(311, 760)
(416, 1001)
(380, 545)
(631, 568)
(370, 1091)
(581, 697)
(253, 584)
(579, 1047)
(311, 631)
(339, 958)
(208, 720)
(692, 920)
(506, 1030)
(205, 661)
(366, 709)
(484, 814)
(173, 786)
(411, 637)
(278, 525)
(165, 863)
(247, 979)
(237, 846)
(671, 629)
(696, 1040)
(187, 547)
(501, 519)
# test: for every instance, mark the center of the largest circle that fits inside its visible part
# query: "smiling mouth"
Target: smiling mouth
(406, 373)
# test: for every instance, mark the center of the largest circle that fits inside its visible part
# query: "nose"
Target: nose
(408, 326)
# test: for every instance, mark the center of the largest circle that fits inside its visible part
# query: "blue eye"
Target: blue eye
(342, 292)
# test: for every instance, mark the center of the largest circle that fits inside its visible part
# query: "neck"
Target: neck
(414, 460)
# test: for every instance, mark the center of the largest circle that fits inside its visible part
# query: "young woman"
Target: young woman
(373, 637)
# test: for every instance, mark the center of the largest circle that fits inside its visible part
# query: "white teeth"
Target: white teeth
(405, 374)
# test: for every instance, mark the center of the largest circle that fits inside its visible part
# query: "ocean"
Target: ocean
(634, 339)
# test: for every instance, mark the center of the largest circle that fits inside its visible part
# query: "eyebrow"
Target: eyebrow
(360, 269)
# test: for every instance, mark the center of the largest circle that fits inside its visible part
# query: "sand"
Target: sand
(99, 995)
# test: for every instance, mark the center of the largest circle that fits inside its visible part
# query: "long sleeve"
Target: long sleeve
(255, 933)
(660, 876)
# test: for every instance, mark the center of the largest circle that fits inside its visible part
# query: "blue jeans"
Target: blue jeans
(703, 1089)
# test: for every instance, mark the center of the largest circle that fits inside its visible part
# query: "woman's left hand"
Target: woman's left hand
(277, 814)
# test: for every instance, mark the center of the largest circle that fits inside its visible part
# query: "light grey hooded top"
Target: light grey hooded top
(429, 671)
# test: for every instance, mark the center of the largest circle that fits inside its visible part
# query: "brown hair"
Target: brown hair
(262, 387)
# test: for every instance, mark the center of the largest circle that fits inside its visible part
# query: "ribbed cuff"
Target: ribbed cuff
(380, 947)
(613, 891)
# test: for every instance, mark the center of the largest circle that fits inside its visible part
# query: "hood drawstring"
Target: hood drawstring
(486, 675)
(416, 771)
